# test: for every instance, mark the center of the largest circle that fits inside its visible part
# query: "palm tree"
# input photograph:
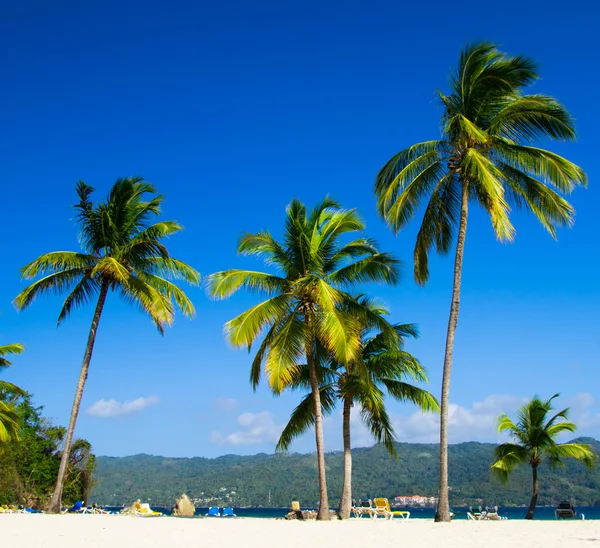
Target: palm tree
(9, 420)
(382, 365)
(303, 307)
(485, 157)
(122, 250)
(534, 442)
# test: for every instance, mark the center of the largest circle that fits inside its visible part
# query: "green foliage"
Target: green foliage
(313, 269)
(533, 439)
(122, 249)
(9, 420)
(375, 473)
(29, 467)
(382, 366)
(488, 126)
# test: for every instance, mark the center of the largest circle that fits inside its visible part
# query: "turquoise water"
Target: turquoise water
(541, 513)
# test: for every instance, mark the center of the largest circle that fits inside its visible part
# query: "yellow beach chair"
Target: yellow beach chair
(382, 508)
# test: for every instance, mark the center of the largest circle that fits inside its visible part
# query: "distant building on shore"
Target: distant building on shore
(415, 500)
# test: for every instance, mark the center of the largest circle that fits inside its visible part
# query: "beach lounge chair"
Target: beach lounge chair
(475, 513)
(228, 513)
(213, 512)
(364, 506)
(143, 509)
(382, 508)
(491, 512)
(565, 510)
(77, 508)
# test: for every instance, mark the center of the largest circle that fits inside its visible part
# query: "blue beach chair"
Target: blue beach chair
(228, 513)
(213, 512)
(77, 508)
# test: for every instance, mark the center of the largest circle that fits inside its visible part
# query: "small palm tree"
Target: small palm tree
(9, 420)
(123, 251)
(382, 366)
(534, 442)
(304, 309)
(485, 157)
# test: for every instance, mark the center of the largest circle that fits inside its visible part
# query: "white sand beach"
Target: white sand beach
(87, 531)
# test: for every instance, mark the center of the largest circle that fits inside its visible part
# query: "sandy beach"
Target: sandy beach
(84, 531)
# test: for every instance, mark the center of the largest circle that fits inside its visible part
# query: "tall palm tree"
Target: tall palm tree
(303, 307)
(9, 420)
(382, 365)
(485, 157)
(123, 251)
(534, 442)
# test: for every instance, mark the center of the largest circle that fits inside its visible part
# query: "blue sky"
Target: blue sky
(233, 108)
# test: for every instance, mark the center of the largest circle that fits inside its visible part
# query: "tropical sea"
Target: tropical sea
(510, 512)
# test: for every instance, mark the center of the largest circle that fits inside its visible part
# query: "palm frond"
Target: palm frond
(224, 284)
(285, 353)
(405, 392)
(377, 267)
(552, 169)
(338, 331)
(9, 423)
(303, 417)
(149, 300)
(170, 291)
(57, 261)
(437, 228)
(263, 245)
(533, 116)
(244, 329)
(401, 201)
(508, 457)
(170, 268)
(82, 294)
(55, 283)
(578, 451)
(551, 209)
(489, 191)
(9, 387)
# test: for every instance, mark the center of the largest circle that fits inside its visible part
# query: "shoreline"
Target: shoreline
(104, 531)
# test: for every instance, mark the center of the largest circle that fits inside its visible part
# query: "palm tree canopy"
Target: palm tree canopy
(383, 365)
(9, 420)
(533, 439)
(313, 270)
(123, 247)
(489, 126)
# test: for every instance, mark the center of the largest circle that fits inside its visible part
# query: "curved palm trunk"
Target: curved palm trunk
(346, 499)
(443, 508)
(323, 513)
(534, 498)
(55, 503)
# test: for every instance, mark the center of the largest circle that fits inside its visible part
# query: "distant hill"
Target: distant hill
(280, 478)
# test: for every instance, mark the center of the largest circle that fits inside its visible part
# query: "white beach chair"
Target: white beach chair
(475, 513)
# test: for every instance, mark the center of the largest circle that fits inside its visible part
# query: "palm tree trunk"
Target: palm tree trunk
(534, 498)
(55, 503)
(443, 508)
(323, 513)
(346, 499)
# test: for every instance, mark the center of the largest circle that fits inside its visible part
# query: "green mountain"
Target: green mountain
(256, 480)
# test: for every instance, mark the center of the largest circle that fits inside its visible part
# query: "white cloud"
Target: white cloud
(581, 412)
(477, 423)
(225, 404)
(257, 428)
(110, 409)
